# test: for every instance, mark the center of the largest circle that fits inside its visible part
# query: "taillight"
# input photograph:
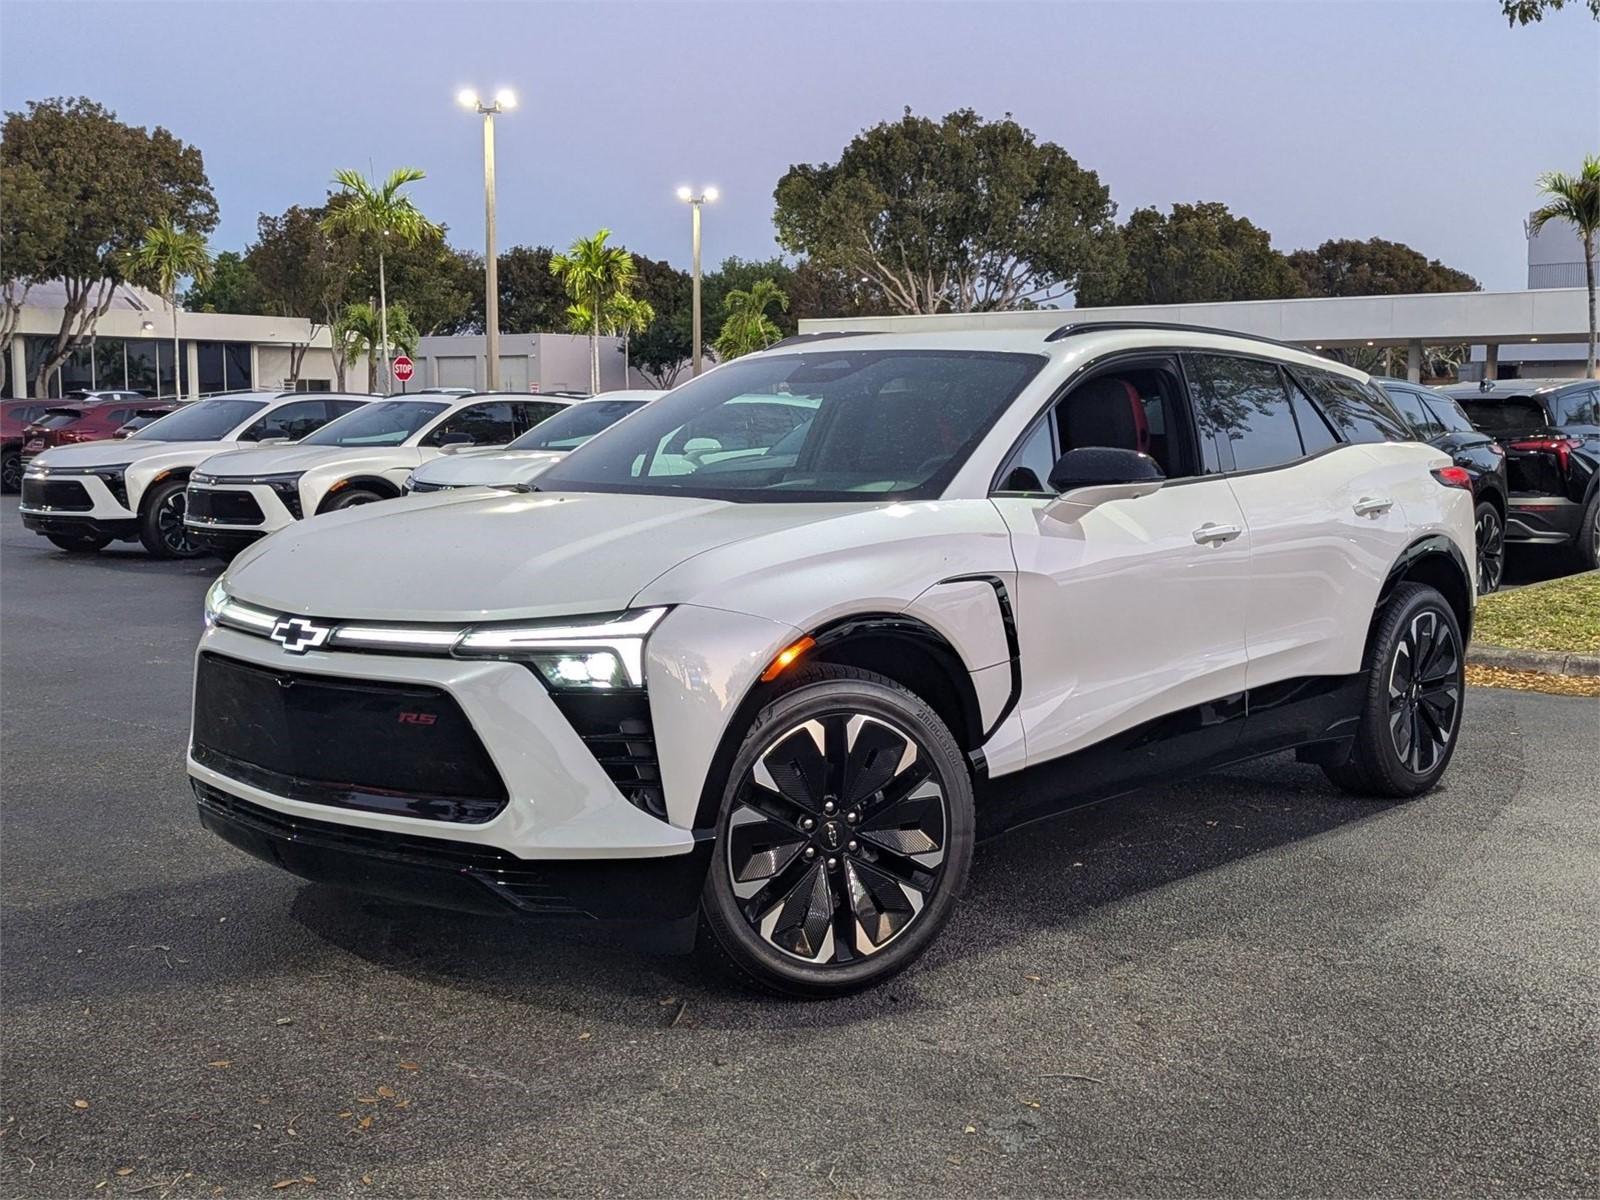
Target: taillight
(1560, 446)
(1457, 477)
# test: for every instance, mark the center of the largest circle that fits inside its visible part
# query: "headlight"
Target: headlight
(216, 597)
(602, 653)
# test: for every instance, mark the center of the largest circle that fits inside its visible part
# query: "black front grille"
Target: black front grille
(233, 508)
(403, 749)
(616, 728)
(68, 495)
(429, 487)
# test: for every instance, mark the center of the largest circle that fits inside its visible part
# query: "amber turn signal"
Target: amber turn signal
(786, 658)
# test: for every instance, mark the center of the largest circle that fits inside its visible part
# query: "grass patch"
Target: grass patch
(1562, 615)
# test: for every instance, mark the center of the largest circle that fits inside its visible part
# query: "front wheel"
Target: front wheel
(844, 838)
(351, 497)
(161, 528)
(1415, 687)
(1490, 531)
(11, 472)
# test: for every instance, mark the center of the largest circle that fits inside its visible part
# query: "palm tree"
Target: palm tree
(629, 315)
(381, 213)
(747, 328)
(593, 274)
(361, 329)
(1576, 199)
(165, 257)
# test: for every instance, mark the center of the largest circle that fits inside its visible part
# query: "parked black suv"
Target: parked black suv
(1439, 421)
(1551, 431)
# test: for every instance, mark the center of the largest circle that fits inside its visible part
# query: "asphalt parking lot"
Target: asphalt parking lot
(1249, 985)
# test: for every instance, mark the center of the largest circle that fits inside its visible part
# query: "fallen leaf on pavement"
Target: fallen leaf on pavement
(80, 1104)
(386, 1092)
(124, 1170)
(408, 1066)
(221, 1062)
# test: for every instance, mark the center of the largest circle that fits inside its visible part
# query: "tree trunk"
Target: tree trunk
(1588, 268)
(627, 375)
(594, 352)
(383, 321)
(78, 317)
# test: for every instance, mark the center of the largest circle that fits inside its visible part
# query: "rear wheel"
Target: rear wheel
(1586, 546)
(161, 528)
(11, 471)
(1490, 529)
(79, 543)
(844, 839)
(1415, 688)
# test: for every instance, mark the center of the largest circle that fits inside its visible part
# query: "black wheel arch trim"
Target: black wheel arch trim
(371, 483)
(1435, 546)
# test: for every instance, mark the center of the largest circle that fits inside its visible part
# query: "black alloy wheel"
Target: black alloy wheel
(846, 834)
(161, 527)
(1490, 533)
(11, 472)
(1424, 692)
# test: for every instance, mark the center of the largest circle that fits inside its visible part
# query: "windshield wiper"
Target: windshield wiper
(524, 487)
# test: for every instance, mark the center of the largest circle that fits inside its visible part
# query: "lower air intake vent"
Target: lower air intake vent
(616, 728)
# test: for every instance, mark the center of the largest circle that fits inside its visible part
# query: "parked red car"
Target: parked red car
(65, 423)
(15, 415)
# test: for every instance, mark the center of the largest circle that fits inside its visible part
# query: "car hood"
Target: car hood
(281, 460)
(466, 555)
(110, 453)
(495, 470)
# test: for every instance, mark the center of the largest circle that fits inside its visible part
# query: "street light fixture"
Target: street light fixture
(504, 101)
(707, 195)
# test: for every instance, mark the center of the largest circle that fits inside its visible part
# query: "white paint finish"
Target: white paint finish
(562, 803)
(699, 664)
(1122, 616)
(1318, 566)
(1404, 471)
(486, 469)
(993, 688)
(968, 615)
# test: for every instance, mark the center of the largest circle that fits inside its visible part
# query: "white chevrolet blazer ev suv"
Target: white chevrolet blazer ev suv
(534, 452)
(949, 583)
(84, 497)
(238, 498)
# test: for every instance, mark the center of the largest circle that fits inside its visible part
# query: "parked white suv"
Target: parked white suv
(782, 694)
(535, 451)
(86, 496)
(236, 499)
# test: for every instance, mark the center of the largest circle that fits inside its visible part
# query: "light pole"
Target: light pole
(504, 101)
(686, 194)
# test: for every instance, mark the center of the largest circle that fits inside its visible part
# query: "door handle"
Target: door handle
(1372, 506)
(1211, 533)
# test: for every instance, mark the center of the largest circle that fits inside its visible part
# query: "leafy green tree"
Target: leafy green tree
(26, 233)
(441, 287)
(1524, 12)
(232, 288)
(816, 291)
(1200, 252)
(383, 216)
(663, 349)
(961, 214)
(90, 187)
(1575, 199)
(360, 330)
(746, 327)
(740, 275)
(628, 315)
(531, 298)
(167, 256)
(301, 271)
(593, 274)
(1375, 267)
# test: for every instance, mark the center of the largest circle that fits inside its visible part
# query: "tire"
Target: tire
(351, 497)
(896, 859)
(1411, 721)
(79, 543)
(11, 472)
(1586, 546)
(161, 530)
(1489, 528)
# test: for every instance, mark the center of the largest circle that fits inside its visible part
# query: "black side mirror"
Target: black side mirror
(1101, 466)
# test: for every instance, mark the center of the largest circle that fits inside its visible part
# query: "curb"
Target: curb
(1545, 662)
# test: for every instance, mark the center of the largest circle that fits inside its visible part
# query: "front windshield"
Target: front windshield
(830, 425)
(575, 425)
(202, 421)
(382, 423)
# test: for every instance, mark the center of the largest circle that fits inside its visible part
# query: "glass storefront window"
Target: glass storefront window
(110, 371)
(170, 384)
(236, 358)
(142, 365)
(209, 356)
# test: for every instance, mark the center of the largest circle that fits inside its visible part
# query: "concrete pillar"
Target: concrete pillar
(1414, 361)
(19, 368)
(1491, 361)
(191, 354)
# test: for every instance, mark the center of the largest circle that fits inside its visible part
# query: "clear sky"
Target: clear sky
(1421, 122)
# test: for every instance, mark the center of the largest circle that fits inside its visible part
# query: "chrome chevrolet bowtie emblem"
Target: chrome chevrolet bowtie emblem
(297, 635)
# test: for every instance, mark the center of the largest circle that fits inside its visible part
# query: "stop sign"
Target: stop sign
(403, 368)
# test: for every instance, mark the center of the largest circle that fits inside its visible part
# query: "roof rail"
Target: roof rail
(796, 338)
(1072, 329)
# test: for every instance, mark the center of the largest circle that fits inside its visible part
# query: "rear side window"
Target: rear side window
(1361, 413)
(291, 421)
(1414, 409)
(1316, 434)
(533, 412)
(1448, 413)
(1246, 402)
(1581, 407)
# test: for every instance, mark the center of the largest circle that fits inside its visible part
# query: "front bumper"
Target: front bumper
(74, 502)
(240, 510)
(71, 524)
(463, 876)
(1542, 520)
